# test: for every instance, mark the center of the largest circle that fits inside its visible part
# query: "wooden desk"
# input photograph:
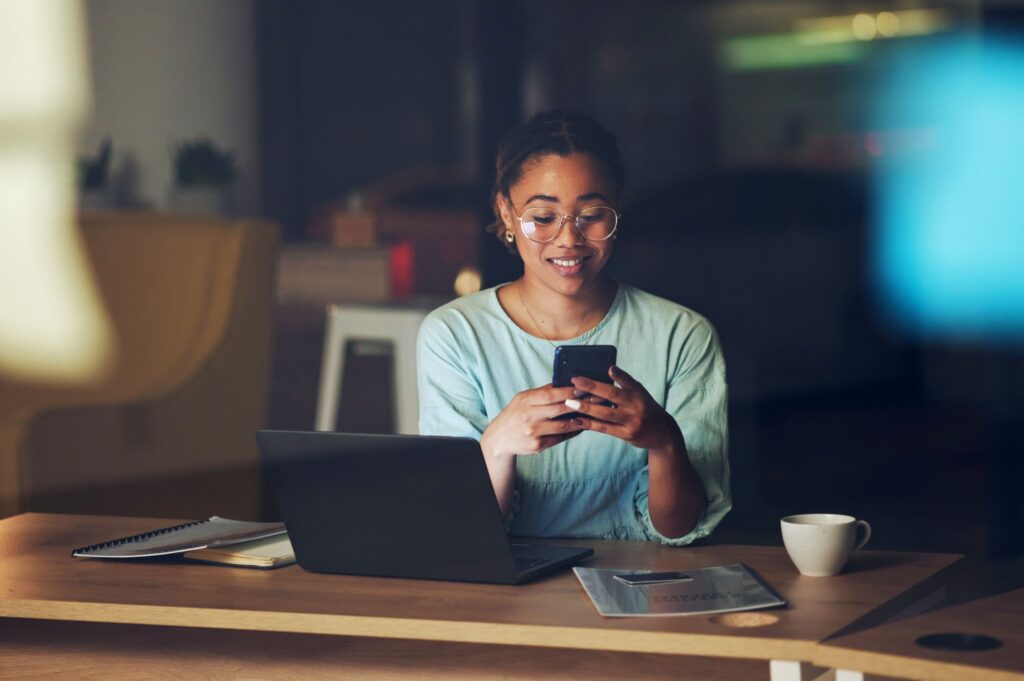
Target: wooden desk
(228, 622)
(891, 647)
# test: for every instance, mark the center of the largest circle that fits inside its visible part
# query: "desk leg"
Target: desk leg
(790, 670)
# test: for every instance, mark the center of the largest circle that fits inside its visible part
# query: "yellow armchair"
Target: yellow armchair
(171, 432)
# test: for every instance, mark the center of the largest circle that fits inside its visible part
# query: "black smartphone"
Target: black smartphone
(642, 578)
(591, 361)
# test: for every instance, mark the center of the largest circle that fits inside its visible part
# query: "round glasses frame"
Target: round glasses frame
(561, 224)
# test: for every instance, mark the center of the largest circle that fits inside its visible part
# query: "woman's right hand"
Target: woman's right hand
(526, 425)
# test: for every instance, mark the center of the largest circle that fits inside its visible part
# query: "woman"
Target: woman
(644, 458)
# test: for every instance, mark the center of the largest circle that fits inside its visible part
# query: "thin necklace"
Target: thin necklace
(533, 319)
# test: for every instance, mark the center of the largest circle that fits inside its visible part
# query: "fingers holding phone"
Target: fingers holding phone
(529, 423)
(632, 414)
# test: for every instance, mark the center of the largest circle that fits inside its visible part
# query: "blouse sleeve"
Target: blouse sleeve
(451, 402)
(696, 398)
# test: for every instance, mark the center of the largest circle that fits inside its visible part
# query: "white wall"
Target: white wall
(167, 70)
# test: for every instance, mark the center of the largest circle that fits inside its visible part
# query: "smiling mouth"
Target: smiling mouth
(569, 262)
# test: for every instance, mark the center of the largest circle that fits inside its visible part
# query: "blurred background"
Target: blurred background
(759, 139)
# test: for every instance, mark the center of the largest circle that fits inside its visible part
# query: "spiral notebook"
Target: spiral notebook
(201, 534)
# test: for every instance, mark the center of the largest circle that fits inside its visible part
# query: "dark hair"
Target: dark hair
(551, 132)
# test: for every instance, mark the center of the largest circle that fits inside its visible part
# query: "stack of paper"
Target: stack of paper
(262, 553)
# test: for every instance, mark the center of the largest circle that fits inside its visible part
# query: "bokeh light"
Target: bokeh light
(950, 215)
(864, 26)
(888, 24)
(467, 281)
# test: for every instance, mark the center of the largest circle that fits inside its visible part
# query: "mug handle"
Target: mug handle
(867, 535)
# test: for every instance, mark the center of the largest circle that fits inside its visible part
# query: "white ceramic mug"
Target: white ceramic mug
(820, 543)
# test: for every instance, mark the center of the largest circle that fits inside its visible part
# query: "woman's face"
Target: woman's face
(568, 184)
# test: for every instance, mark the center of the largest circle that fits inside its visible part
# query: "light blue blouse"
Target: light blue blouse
(472, 359)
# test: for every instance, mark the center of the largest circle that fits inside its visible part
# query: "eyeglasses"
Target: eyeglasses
(542, 224)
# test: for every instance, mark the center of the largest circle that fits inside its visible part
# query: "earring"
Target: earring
(509, 236)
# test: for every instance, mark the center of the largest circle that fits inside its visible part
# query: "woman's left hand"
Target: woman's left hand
(634, 415)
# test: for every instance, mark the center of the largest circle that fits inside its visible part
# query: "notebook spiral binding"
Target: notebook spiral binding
(137, 537)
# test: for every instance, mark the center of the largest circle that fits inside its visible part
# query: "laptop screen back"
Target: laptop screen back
(385, 505)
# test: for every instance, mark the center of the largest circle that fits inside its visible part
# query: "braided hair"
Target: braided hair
(550, 132)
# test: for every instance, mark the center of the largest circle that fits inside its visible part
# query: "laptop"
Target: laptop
(419, 507)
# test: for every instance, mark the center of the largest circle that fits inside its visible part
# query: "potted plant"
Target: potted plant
(93, 172)
(203, 175)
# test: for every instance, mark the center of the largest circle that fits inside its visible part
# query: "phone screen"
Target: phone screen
(591, 361)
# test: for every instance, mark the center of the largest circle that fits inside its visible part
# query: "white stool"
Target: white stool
(397, 325)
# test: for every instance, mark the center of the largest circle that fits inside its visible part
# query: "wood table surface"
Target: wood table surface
(41, 581)
(892, 648)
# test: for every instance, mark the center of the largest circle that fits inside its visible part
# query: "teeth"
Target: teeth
(567, 263)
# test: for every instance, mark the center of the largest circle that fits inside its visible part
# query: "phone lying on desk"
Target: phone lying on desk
(590, 361)
(642, 578)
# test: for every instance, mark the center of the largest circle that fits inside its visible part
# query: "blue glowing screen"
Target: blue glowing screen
(948, 147)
